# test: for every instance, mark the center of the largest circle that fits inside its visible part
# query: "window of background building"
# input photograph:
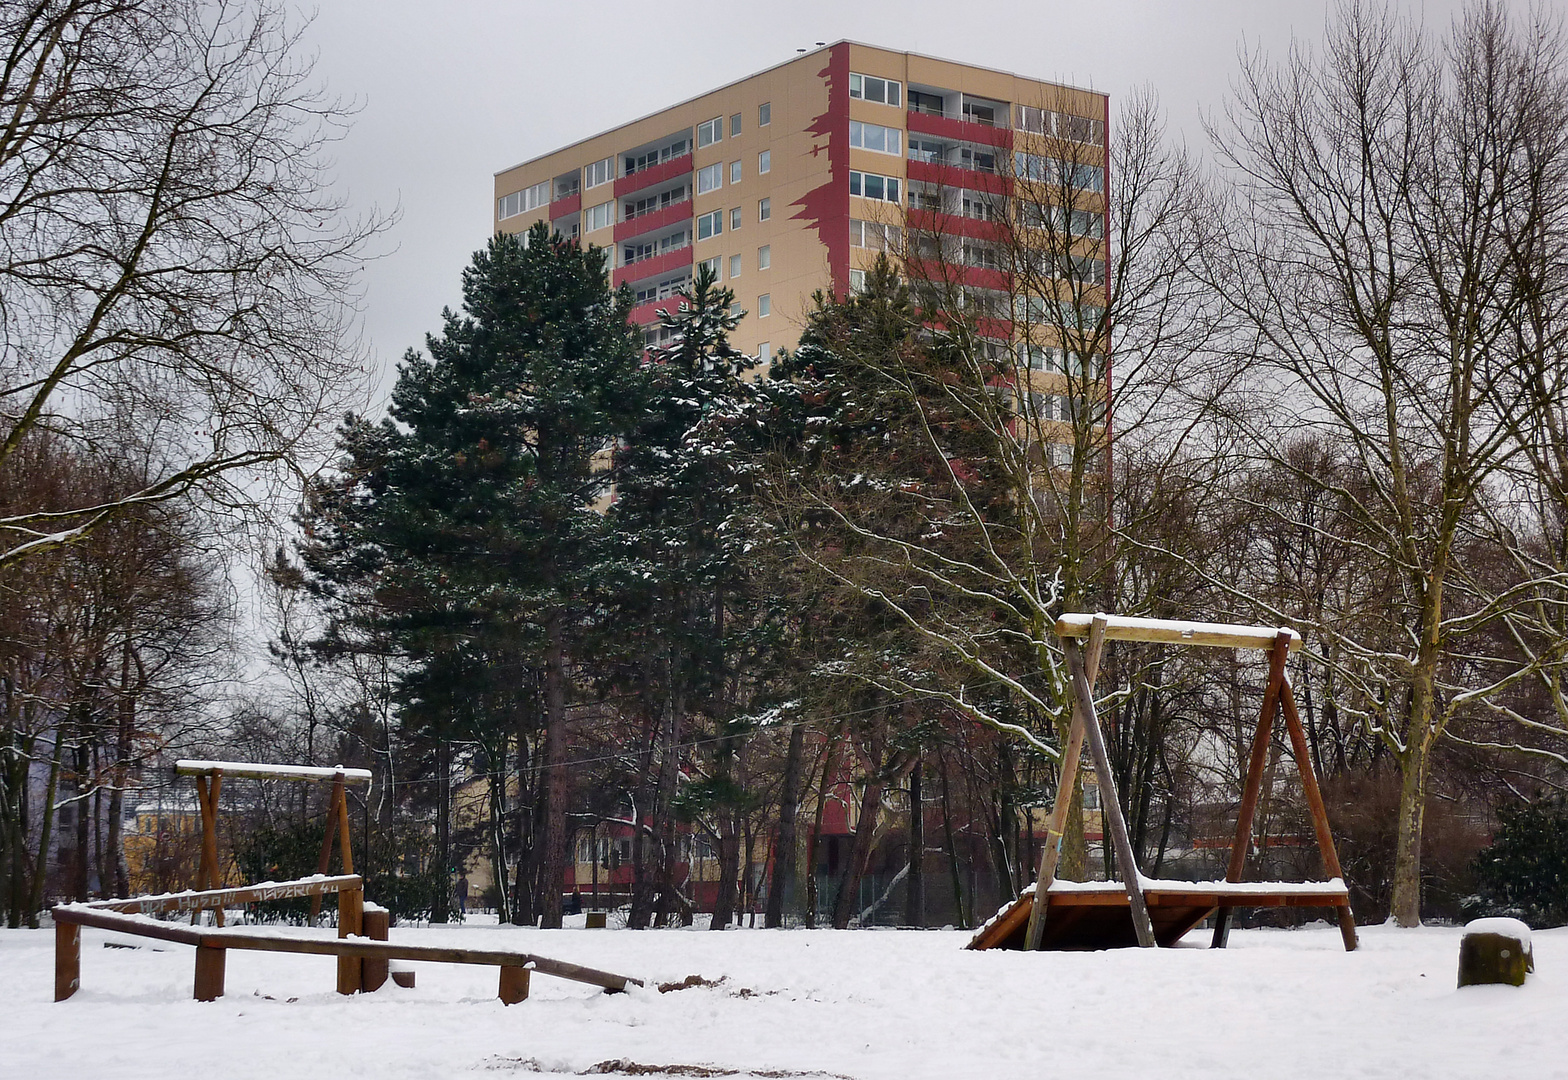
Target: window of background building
(857, 280)
(763, 350)
(734, 219)
(734, 172)
(712, 265)
(871, 88)
(764, 305)
(765, 161)
(601, 172)
(764, 257)
(710, 225)
(872, 186)
(883, 140)
(735, 125)
(600, 216)
(764, 209)
(734, 266)
(765, 114)
(710, 178)
(520, 202)
(735, 310)
(710, 132)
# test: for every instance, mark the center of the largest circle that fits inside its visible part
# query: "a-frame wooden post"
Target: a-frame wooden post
(1110, 804)
(1065, 786)
(1309, 787)
(337, 817)
(207, 789)
(1239, 848)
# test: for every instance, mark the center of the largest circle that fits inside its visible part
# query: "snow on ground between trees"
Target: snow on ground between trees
(858, 1004)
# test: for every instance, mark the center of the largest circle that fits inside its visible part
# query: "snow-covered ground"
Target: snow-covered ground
(797, 1003)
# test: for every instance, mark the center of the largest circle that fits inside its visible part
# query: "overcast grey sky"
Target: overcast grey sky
(453, 92)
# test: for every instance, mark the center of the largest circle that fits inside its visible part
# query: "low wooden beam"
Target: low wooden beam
(514, 984)
(210, 963)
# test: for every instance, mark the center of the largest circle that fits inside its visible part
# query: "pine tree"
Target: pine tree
(468, 512)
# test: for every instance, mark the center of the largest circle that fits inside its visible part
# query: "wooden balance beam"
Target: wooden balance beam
(212, 946)
(1097, 914)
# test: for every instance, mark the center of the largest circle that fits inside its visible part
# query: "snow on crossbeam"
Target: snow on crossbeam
(251, 770)
(1176, 631)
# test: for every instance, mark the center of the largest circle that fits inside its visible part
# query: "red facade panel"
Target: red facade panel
(669, 170)
(956, 225)
(648, 314)
(565, 207)
(954, 177)
(647, 223)
(654, 267)
(964, 130)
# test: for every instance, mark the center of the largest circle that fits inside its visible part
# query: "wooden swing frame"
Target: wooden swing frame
(1177, 906)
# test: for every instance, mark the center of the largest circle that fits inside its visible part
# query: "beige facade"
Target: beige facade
(757, 176)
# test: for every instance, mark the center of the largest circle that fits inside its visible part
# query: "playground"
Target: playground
(800, 1003)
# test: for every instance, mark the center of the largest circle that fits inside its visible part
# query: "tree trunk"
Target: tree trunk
(441, 909)
(729, 871)
(965, 917)
(784, 846)
(830, 759)
(553, 863)
(865, 832)
(1405, 906)
(915, 908)
(35, 897)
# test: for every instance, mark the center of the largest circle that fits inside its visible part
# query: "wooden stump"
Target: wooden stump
(1494, 952)
(67, 959)
(376, 921)
(404, 977)
(594, 920)
(514, 985)
(209, 973)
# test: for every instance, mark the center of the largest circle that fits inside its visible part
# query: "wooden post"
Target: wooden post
(1110, 803)
(350, 911)
(1254, 783)
(207, 788)
(67, 959)
(1309, 787)
(1056, 825)
(514, 984)
(376, 921)
(325, 859)
(209, 972)
(345, 840)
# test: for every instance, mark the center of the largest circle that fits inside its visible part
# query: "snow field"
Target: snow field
(859, 1004)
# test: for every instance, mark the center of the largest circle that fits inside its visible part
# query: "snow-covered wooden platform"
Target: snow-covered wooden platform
(1096, 914)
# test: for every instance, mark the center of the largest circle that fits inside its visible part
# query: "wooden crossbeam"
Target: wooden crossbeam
(1176, 632)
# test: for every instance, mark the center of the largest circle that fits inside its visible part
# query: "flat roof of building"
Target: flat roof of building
(775, 67)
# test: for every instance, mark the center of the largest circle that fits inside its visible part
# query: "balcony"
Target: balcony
(953, 273)
(653, 267)
(954, 176)
(940, 224)
(648, 314)
(653, 220)
(565, 207)
(960, 130)
(647, 178)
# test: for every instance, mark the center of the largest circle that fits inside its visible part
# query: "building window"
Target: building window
(765, 114)
(710, 265)
(601, 172)
(762, 351)
(735, 125)
(734, 266)
(600, 216)
(764, 209)
(710, 178)
(873, 235)
(764, 257)
(765, 161)
(520, 202)
(871, 88)
(884, 140)
(857, 281)
(735, 310)
(710, 132)
(734, 172)
(872, 186)
(764, 305)
(710, 225)
(734, 219)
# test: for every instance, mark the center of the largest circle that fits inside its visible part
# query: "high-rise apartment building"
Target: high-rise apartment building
(790, 180)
